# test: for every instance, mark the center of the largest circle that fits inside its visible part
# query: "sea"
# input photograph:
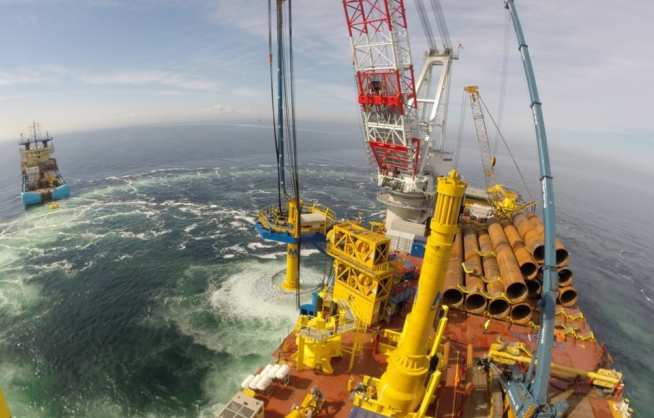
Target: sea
(149, 294)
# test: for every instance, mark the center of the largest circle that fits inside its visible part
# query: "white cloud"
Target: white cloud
(318, 26)
(151, 77)
(593, 62)
(53, 74)
(25, 76)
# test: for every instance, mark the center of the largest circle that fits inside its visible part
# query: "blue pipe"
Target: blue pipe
(539, 383)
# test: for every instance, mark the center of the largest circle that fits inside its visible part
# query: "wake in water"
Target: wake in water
(145, 295)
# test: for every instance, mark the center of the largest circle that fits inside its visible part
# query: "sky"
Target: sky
(88, 64)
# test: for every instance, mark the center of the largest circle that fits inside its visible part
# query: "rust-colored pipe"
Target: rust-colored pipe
(475, 301)
(565, 276)
(527, 264)
(532, 239)
(521, 313)
(452, 294)
(567, 296)
(498, 304)
(562, 254)
(533, 288)
(516, 289)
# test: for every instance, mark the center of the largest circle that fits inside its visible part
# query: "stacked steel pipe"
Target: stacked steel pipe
(498, 304)
(512, 275)
(452, 293)
(514, 283)
(493, 271)
(475, 300)
(531, 230)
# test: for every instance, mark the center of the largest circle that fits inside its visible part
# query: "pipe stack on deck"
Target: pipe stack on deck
(452, 289)
(483, 276)
(531, 229)
(493, 271)
(498, 305)
(475, 300)
(516, 289)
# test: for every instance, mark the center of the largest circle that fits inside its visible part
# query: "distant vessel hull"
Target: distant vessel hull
(33, 198)
(42, 181)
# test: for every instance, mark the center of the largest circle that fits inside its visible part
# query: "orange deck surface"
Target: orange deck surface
(463, 329)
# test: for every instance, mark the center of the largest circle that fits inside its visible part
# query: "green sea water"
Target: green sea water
(149, 294)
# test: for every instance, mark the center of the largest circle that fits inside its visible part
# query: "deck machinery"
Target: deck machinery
(376, 342)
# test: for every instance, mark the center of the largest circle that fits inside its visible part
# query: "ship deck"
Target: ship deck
(465, 390)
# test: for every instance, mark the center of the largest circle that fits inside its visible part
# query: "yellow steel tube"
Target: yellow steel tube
(434, 380)
(4, 408)
(291, 282)
(402, 386)
(439, 332)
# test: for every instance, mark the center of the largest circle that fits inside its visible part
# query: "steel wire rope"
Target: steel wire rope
(508, 149)
(459, 137)
(426, 25)
(272, 104)
(503, 76)
(294, 172)
(441, 24)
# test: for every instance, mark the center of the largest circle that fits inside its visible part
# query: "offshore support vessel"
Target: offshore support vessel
(41, 180)
(461, 303)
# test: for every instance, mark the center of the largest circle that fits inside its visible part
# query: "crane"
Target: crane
(400, 115)
(527, 392)
(504, 201)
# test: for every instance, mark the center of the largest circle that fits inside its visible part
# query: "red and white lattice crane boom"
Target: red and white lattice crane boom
(398, 113)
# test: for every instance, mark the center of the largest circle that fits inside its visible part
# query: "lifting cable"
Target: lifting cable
(293, 131)
(508, 149)
(459, 137)
(503, 76)
(286, 133)
(441, 24)
(426, 25)
(288, 86)
(272, 104)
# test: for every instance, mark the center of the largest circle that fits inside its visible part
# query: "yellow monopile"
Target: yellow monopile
(402, 386)
(4, 408)
(292, 281)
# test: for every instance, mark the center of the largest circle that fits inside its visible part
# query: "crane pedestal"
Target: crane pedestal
(406, 383)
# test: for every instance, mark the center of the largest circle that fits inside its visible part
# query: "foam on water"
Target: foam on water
(256, 245)
(17, 294)
(254, 293)
(240, 314)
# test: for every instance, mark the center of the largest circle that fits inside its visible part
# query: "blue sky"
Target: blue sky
(87, 64)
